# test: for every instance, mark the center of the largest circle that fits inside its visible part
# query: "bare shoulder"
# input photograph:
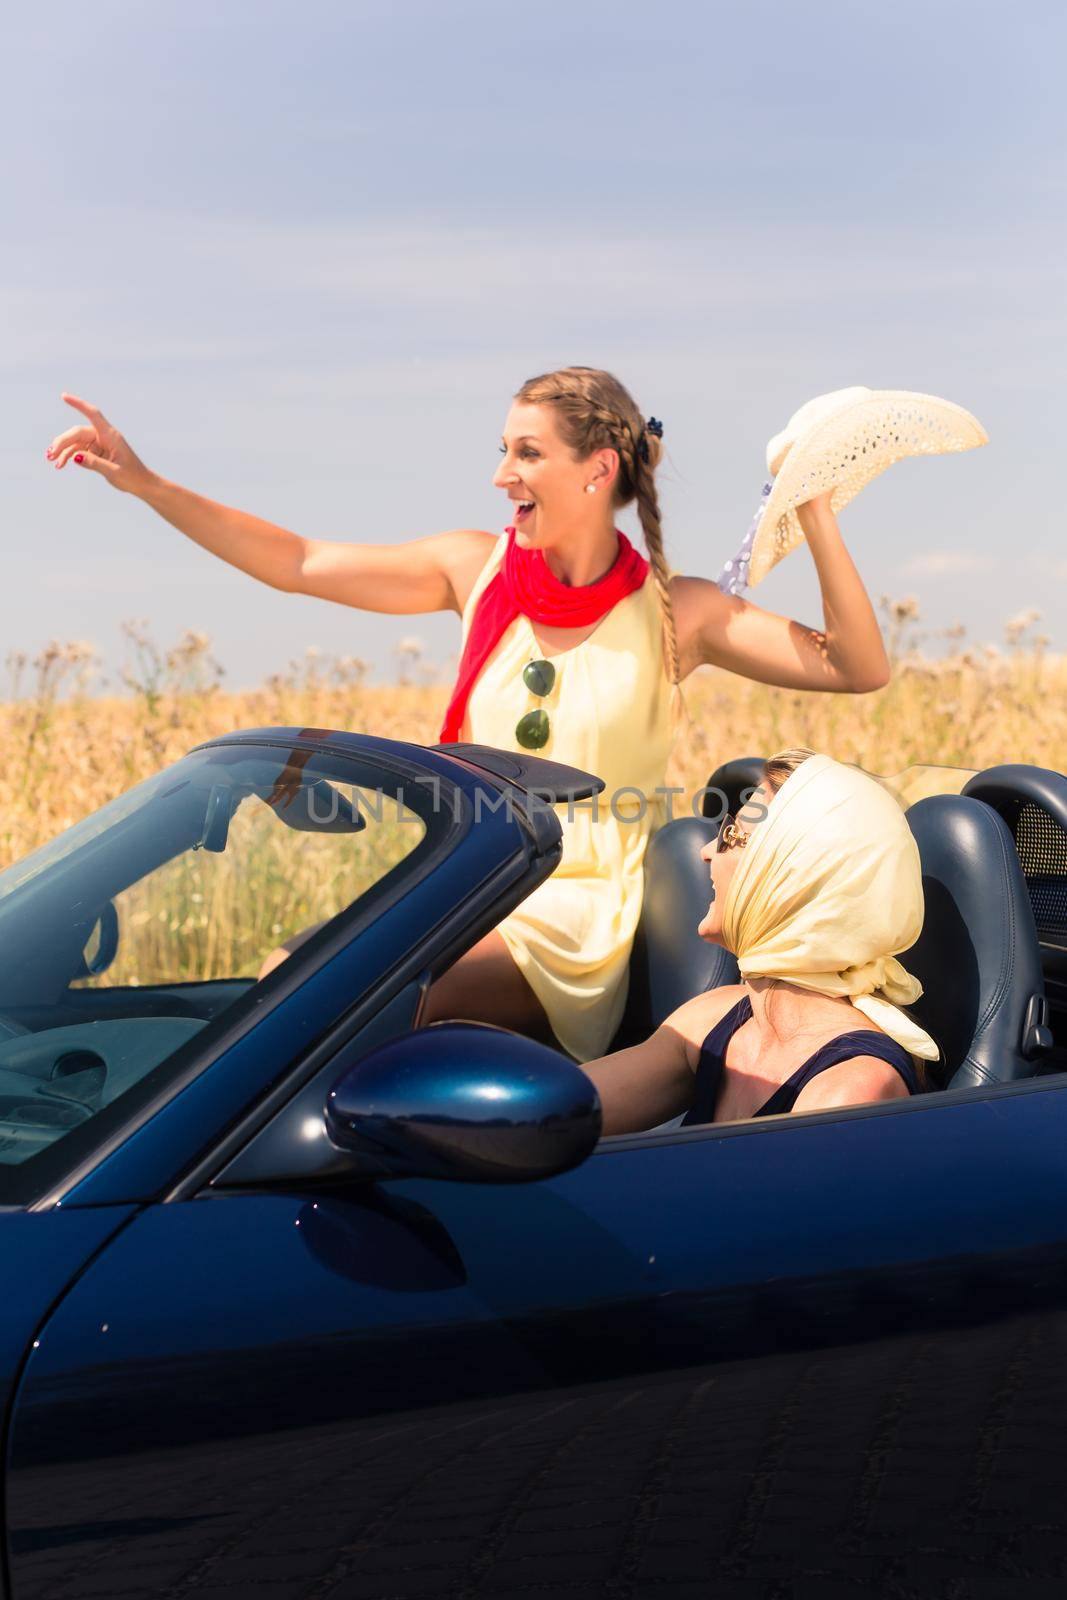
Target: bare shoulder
(689, 591)
(855, 1082)
(462, 553)
(699, 607)
(694, 1020)
(697, 594)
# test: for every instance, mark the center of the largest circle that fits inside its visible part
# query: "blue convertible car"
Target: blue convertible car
(305, 1301)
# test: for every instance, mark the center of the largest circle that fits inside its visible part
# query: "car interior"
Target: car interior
(992, 957)
(78, 1026)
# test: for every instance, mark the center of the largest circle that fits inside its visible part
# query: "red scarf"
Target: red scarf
(526, 586)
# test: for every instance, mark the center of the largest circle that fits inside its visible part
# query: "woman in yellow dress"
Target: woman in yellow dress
(574, 647)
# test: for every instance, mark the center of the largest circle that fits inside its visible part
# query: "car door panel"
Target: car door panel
(816, 1351)
(39, 1254)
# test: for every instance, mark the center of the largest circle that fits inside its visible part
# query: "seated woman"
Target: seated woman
(816, 888)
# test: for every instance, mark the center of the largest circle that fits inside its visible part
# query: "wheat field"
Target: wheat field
(68, 750)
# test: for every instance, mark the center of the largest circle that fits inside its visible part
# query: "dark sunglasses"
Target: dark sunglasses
(533, 729)
(729, 834)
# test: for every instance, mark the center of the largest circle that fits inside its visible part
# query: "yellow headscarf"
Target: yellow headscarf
(828, 890)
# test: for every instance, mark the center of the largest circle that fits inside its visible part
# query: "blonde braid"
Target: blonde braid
(594, 411)
(642, 477)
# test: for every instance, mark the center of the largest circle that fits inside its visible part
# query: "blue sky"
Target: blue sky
(302, 256)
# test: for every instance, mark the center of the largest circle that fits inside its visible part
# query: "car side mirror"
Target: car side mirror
(467, 1102)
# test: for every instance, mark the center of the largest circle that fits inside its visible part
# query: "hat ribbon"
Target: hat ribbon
(734, 575)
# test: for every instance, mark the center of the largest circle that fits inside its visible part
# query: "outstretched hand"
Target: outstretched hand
(98, 447)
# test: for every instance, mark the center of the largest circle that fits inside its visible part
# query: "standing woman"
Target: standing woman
(573, 646)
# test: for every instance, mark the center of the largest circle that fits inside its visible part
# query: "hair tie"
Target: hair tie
(653, 426)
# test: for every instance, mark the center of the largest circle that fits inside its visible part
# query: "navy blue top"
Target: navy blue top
(863, 1042)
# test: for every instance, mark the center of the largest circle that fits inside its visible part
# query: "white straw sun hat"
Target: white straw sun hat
(838, 442)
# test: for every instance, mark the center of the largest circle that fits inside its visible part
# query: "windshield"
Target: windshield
(126, 936)
(924, 778)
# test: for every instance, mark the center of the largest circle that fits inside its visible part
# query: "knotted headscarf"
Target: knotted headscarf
(826, 894)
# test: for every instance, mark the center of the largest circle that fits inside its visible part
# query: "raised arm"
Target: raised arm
(432, 574)
(847, 654)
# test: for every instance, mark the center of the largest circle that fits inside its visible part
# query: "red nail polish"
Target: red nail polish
(79, 459)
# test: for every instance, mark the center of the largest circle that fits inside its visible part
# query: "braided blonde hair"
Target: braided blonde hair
(594, 412)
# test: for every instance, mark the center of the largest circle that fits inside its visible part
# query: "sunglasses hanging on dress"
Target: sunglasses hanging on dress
(533, 729)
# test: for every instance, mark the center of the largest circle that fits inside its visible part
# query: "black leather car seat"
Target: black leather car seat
(977, 956)
(670, 962)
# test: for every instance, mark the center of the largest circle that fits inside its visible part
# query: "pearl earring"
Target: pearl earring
(590, 488)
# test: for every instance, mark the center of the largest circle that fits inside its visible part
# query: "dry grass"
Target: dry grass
(68, 751)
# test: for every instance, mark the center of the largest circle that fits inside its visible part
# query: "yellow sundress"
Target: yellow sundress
(612, 712)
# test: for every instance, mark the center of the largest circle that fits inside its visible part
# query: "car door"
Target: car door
(797, 1356)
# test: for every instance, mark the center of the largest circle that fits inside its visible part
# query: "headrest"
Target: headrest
(1033, 803)
(734, 779)
(977, 957)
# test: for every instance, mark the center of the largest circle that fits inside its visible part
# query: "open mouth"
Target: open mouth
(523, 508)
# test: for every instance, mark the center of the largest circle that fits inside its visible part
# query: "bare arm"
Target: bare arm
(846, 654)
(644, 1085)
(654, 1081)
(433, 574)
